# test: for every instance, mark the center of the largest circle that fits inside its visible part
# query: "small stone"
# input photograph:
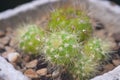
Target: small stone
(2, 33)
(13, 42)
(55, 74)
(42, 72)
(4, 54)
(31, 73)
(116, 62)
(32, 64)
(119, 44)
(4, 40)
(112, 43)
(12, 57)
(1, 46)
(26, 58)
(116, 36)
(101, 34)
(49, 75)
(8, 29)
(9, 49)
(108, 67)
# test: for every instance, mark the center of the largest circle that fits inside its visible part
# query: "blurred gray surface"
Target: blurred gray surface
(7, 71)
(111, 75)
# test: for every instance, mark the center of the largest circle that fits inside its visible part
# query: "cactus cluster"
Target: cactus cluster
(68, 42)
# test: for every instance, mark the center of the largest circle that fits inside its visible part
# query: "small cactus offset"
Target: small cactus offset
(96, 48)
(83, 68)
(61, 47)
(32, 40)
(72, 21)
(85, 64)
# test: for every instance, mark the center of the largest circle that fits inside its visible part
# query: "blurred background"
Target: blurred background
(115, 1)
(10, 4)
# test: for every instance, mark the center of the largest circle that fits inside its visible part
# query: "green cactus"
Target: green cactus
(61, 47)
(96, 48)
(32, 40)
(85, 64)
(83, 67)
(71, 21)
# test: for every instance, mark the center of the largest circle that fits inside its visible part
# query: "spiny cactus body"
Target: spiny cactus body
(85, 64)
(96, 48)
(83, 67)
(61, 47)
(32, 40)
(72, 21)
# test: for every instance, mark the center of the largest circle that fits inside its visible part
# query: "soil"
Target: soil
(38, 69)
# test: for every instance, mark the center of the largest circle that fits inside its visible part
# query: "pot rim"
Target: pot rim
(23, 8)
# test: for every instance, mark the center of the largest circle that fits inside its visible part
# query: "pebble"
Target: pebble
(55, 74)
(119, 45)
(4, 40)
(42, 72)
(116, 62)
(13, 57)
(49, 75)
(113, 45)
(4, 54)
(116, 36)
(13, 42)
(26, 58)
(108, 67)
(9, 49)
(2, 33)
(1, 46)
(32, 64)
(31, 73)
(8, 29)
(101, 33)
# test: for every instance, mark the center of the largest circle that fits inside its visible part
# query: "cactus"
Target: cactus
(83, 68)
(96, 48)
(71, 21)
(85, 64)
(32, 40)
(61, 47)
